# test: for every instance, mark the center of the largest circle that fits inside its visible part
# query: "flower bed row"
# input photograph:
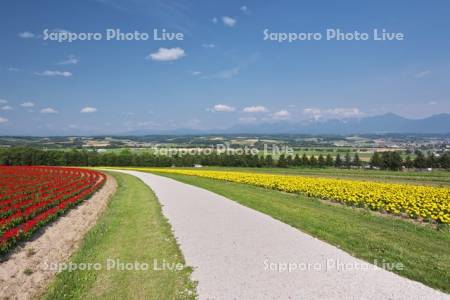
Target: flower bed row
(419, 202)
(32, 196)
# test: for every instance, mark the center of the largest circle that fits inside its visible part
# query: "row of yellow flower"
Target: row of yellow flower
(424, 202)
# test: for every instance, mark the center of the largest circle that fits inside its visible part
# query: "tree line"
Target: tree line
(394, 160)
(384, 160)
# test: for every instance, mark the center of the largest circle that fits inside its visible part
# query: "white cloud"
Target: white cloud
(88, 109)
(255, 109)
(432, 103)
(12, 69)
(26, 35)
(314, 113)
(3, 101)
(27, 104)
(167, 54)
(3, 120)
(70, 60)
(214, 20)
(229, 21)
(281, 115)
(49, 110)
(332, 113)
(244, 9)
(7, 107)
(222, 108)
(54, 73)
(196, 73)
(210, 45)
(423, 73)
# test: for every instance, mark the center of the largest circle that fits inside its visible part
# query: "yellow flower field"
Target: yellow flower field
(424, 202)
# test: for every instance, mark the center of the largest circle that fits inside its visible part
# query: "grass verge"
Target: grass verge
(424, 252)
(132, 229)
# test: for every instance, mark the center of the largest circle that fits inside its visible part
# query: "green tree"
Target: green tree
(356, 160)
(420, 160)
(305, 160)
(432, 161)
(268, 162)
(321, 161)
(444, 160)
(282, 162)
(375, 160)
(348, 160)
(289, 161)
(409, 162)
(396, 161)
(338, 161)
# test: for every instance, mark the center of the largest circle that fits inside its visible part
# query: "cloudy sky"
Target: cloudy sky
(223, 72)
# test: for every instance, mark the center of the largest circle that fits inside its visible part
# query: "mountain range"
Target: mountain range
(387, 123)
(381, 124)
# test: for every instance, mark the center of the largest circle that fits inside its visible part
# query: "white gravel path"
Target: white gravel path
(239, 253)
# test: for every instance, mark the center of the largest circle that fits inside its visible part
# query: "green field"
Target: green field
(423, 251)
(131, 229)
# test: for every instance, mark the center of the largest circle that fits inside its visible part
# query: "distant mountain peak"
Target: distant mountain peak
(385, 123)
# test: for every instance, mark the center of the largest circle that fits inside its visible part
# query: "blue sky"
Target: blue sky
(223, 72)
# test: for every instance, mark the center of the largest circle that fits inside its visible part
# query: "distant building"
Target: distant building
(198, 166)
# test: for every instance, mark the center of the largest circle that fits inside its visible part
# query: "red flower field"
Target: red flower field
(32, 196)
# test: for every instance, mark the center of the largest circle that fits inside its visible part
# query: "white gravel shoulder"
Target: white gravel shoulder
(239, 253)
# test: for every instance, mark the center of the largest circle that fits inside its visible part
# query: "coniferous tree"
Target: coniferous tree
(282, 162)
(338, 161)
(321, 161)
(432, 161)
(305, 160)
(356, 160)
(348, 160)
(289, 161)
(269, 161)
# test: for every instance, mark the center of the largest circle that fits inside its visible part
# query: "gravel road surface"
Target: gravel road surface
(239, 253)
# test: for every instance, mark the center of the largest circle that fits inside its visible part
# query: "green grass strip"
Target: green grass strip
(132, 229)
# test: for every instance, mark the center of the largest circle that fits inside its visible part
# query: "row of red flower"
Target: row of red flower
(32, 196)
